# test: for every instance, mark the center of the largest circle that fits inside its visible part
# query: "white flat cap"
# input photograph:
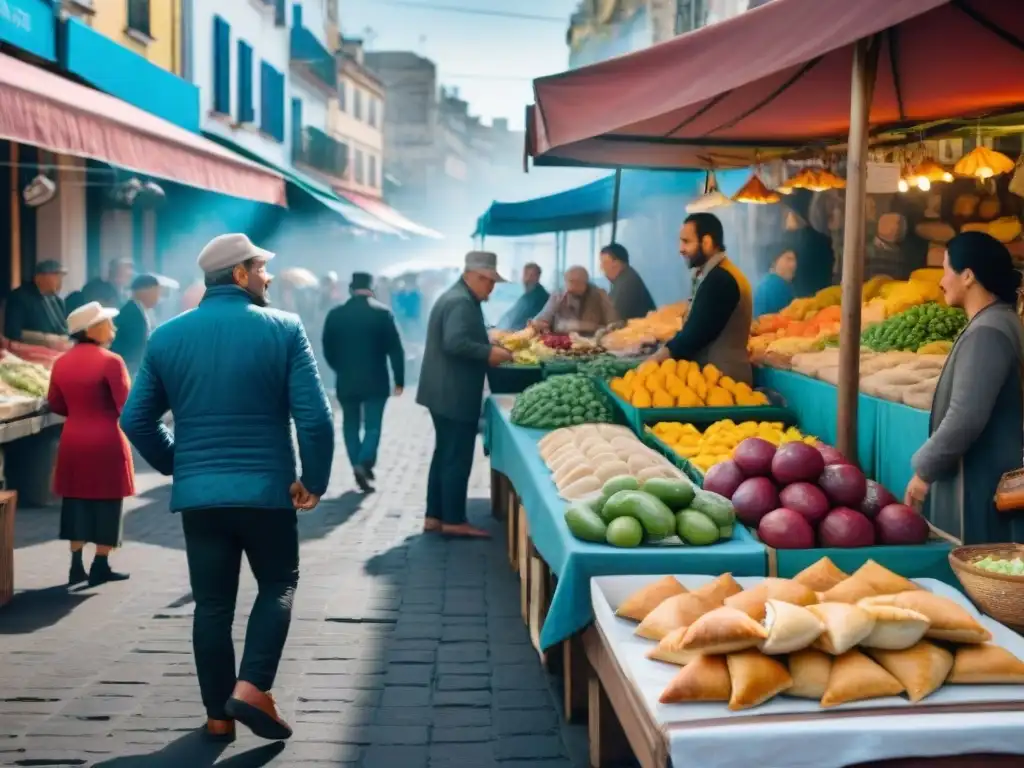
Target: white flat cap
(227, 251)
(88, 315)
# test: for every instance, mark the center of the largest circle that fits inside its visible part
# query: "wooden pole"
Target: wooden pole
(615, 203)
(15, 220)
(865, 68)
(593, 250)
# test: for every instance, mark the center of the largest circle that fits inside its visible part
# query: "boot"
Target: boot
(77, 573)
(257, 711)
(100, 573)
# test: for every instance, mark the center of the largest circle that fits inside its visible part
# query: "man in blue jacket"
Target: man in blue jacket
(234, 374)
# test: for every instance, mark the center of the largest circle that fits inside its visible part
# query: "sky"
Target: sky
(490, 58)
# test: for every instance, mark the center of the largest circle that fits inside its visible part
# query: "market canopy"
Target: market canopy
(392, 218)
(778, 78)
(585, 207)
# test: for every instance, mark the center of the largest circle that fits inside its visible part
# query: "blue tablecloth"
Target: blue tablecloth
(901, 431)
(514, 453)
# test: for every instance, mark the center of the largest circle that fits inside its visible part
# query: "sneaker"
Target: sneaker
(102, 574)
(362, 478)
(257, 711)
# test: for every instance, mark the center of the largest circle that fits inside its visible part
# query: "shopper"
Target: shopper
(452, 387)
(815, 258)
(629, 295)
(112, 292)
(36, 308)
(977, 418)
(581, 308)
(360, 338)
(235, 374)
(94, 473)
(134, 323)
(527, 306)
(775, 291)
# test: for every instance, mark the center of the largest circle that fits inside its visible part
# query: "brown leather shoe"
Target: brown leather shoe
(220, 730)
(464, 531)
(256, 710)
(431, 525)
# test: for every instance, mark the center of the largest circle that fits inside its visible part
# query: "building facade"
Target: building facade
(356, 119)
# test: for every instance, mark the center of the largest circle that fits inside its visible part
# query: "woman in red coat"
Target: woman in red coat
(89, 385)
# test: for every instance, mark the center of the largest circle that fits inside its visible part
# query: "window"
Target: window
(372, 176)
(342, 95)
(296, 128)
(280, 17)
(360, 176)
(221, 66)
(246, 113)
(373, 112)
(271, 102)
(357, 103)
(138, 16)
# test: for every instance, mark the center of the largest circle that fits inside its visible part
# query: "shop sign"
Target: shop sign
(883, 178)
(29, 25)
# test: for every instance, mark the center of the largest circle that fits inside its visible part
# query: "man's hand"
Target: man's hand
(916, 493)
(498, 356)
(540, 326)
(661, 355)
(399, 391)
(302, 500)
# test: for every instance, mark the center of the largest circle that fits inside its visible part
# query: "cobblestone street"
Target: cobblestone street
(405, 651)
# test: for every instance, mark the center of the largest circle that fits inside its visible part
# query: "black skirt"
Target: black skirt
(96, 521)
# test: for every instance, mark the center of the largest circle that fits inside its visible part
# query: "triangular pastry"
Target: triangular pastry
(790, 628)
(752, 601)
(670, 649)
(755, 679)
(845, 626)
(895, 628)
(855, 677)
(810, 670)
(987, 663)
(821, 576)
(849, 591)
(643, 601)
(921, 670)
(673, 613)
(950, 622)
(723, 630)
(706, 679)
(719, 589)
(884, 581)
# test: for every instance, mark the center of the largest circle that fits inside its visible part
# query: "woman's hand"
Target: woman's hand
(917, 490)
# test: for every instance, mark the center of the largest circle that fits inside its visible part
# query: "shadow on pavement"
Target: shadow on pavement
(195, 751)
(36, 609)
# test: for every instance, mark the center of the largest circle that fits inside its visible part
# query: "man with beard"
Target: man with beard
(721, 307)
(234, 374)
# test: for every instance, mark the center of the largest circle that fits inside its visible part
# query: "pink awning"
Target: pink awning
(778, 77)
(389, 215)
(42, 109)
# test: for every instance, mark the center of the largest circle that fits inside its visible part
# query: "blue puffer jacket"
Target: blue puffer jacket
(232, 374)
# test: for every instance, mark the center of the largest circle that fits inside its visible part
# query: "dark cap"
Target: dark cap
(144, 281)
(361, 281)
(51, 267)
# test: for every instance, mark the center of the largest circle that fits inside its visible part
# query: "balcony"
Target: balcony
(315, 149)
(309, 56)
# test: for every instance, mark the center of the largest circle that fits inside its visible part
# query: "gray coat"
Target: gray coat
(977, 430)
(455, 359)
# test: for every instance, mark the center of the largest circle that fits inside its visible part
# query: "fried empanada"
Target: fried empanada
(706, 679)
(752, 601)
(749, 601)
(986, 663)
(849, 591)
(790, 628)
(755, 679)
(718, 590)
(723, 630)
(810, 670)
(855, 677)
(643, 601)
(845, 626)
(673, 613)
(949, 621)
(670, 650)
(895, 628)
(821, 576)
(884, 581)
(921, 669)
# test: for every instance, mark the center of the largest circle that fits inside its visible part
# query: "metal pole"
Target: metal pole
(615, 203)
(865, 69)
(593, 250)
(15, 219)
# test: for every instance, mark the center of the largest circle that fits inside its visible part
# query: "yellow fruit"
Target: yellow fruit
(688, 399)
(620, 388)
(668, 367)
(686, 451)
(741, 388)
(662, 399)
(717, 396)
(630, 375)
(727, 383)
(655, 381)
(641, 399)
(760, 398)
(711, 374)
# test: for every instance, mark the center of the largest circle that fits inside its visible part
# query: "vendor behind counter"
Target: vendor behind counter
(815, 259)
(36, 307)
(629, 295)
(581, 308)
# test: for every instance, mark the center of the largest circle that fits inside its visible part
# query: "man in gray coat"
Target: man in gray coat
(451, 386)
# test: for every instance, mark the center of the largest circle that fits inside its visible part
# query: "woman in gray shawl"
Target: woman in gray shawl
(977, 419)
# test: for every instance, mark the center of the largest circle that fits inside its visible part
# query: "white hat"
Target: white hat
(227, 251)
(88, 315)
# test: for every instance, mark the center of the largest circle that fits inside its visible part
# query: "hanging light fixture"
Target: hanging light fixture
(813, 179)
(756, 193)
(983, 163)
(932, 171)
(712, 197)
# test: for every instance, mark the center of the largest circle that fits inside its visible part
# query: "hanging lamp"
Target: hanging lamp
(712, 197)
(983, 163)
(756, 193)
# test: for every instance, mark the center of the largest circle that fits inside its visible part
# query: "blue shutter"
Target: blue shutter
(246, 112)
(296, 128)
(221, 66)
(297, 15)
(271, 102)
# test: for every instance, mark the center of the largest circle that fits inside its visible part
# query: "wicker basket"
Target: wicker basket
(996, 594)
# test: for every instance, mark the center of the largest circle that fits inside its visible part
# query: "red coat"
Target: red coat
(89, 385)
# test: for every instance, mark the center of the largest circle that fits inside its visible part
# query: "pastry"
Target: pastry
(790, 628)
(723, 630)
(986, 663)
(719, 589)
(884, 581)
(821, 576)
(673, 613)
(845, 626)
(855, 677)
(949, 621)
(670, 649)
(643, 601)
(706, 679)
(849, 591)
(752, 601)
(921, 669)
(810, 670)
(895, 628)
(755, 679)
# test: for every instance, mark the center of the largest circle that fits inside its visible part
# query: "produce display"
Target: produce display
(822, 635)
(607, 367)
(717, 443)
(24, 378)
(647, 332)
(629, 512)
(561, 401)
(799, 496)
(583, 459)
(915, 328)
(682, 384)
(529, 348)
(1014, 567)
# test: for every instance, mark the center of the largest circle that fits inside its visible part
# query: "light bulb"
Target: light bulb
(947, 176)
(903, 186)
(923, 184)
(985, 172)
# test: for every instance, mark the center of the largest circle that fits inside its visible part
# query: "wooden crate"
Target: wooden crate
(8, 507)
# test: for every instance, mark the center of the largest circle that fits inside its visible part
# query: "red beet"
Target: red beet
(785, 529)
(754, 456)
(845, 527)
(807, 499)
(796, 462)
(723, 478)
(754, 499)
(831, 454)
(876, 497)
(844, 484)
(900, 524)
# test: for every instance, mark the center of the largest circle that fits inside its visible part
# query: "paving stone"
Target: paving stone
(409, 674)
(533, 746)
(405, 696)
(462, 652)
(462, 698)
(460, 633)
(458, 717)
(517, 722)
(406, 757)
(463, 683)
(404, 715)
(468, 734)
(477, 755)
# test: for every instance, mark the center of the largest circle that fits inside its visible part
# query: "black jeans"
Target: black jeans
(450, 468)
(214, 542)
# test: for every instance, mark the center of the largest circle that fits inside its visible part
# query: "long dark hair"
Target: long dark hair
(989, 260)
